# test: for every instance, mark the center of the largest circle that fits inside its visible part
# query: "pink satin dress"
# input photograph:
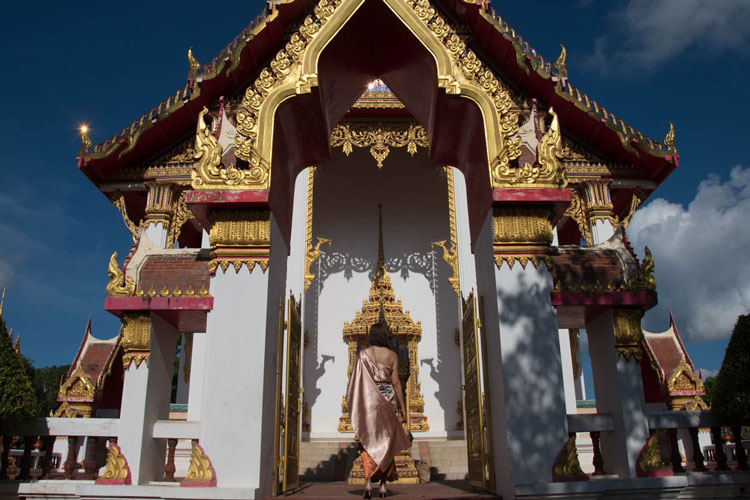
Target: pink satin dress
(372, 413)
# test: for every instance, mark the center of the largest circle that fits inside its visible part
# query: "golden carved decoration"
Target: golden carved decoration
(65, 410)
(180, 215)
(78, 387)
(193, 64)
(650, 458)
(684, 382)
(209, 173)
(460, 411)
(200, 470)
(176, 292)
(628, 332)
(547, 172)
(85, 139)
(696, 403)
(159, 204)
(379, 137)
(598, 202)
(2, 301)
(116, 468)
(567, 466)
(118, 200)
(645, 279)
(669, 139)
(638, 196)
(561, 63)
(521, 234)
(240, 237)
(136, 338)
(312, 254)
(378, 97)
(450, 255)
(577, 211)
(119, 285)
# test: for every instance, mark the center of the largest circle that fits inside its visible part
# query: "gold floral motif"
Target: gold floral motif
(379, 137)
(684, 381)
(119, 285)
(628, 332)
(208, 171)
(136, 338)
(180, 215)
(118, 200)
(200, 469)
(450, 255)
(240, 237)
(116, 467)
(650, 458)
(566, 464)
(312, 254)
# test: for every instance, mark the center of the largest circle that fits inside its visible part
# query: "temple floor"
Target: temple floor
(427, 491)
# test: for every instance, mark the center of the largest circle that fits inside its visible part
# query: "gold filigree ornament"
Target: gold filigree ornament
(193, 64)
(669, 139)
(628, 332)
(200, 471)
(78, 387)
(119, 285)
(118, 200)
(521, 234)
(136, 338)
(379, 137)
(577, 211)
(637, 199)
(450, 256)
(208, 171)
(116, 469)
(240, 237)
(649, 460)
(312, 254)
(567, 466)
(180, 215)
(548, 171)
(85, 139)
(646, 280)
(561, 63)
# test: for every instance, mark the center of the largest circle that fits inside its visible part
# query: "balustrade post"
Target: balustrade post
(71, 463)
(674, 452)
(169, 467)
(91, 470)
(7, 443)
(697, 452)
(28, 445)
(598, 461)
(739, 451)
(48, 444)
(719, 453)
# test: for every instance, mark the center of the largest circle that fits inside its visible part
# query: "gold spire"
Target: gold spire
(2, 301)
(380, 270)
(669, 139)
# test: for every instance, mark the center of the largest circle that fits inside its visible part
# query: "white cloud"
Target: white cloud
(651, 32)
(700, 255)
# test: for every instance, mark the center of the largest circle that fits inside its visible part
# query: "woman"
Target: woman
(373, 392)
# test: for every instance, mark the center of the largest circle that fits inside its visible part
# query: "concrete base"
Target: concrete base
(88, 490)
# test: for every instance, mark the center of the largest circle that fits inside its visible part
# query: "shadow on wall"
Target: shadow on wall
(532, 375)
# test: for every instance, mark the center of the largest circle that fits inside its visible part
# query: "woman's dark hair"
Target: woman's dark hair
(378, 336)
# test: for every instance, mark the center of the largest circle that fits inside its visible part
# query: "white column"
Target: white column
(238, 402)
(528, 404)
(619, 391)
(197, 377)
(183, 382)
(580, 384)
(567, 370)
(159, 207)
(145, 399)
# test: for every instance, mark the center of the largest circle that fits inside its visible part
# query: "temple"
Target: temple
(411, 161)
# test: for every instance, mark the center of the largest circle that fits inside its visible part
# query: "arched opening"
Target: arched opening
(375, 43)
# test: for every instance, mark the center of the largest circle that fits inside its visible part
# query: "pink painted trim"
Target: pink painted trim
(127, 479)
(518, 195)
(202, 202)
(118, 305)
(642, 298)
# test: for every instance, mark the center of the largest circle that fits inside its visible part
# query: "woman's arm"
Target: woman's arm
(397, 383)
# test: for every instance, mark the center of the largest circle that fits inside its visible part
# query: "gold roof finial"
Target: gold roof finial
(669, 139)
(85, 139)
(2, 301)
(194, 65)
(560, 64)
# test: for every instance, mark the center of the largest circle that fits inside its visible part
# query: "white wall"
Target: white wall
(415, 212)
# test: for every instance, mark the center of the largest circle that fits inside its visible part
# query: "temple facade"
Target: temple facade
(318, 176)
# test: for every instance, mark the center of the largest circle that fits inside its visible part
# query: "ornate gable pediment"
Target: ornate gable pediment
(684, 382)
(78, 388)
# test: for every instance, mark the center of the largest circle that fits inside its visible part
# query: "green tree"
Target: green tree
(710, 385)
(18, 404)
(46, 384)
(731, 398)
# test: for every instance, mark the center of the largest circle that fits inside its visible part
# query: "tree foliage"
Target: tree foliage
(46, 384)
(18, 404)
(731, 398)
(710, 385)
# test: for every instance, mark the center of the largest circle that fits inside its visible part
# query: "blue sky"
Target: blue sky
(648, 61)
